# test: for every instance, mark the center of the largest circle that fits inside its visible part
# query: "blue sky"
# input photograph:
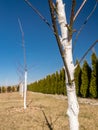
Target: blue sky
(42, 52)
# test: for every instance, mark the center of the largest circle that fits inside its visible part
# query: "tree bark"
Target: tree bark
(21, 89)
(25, 89)
(73, 107)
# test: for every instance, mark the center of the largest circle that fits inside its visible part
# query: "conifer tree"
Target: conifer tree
(62, 82)
(77, 75)
(57, 83)
(94, 77)
(48, 80)
(85, 78)
(3, 89)
(53, 85)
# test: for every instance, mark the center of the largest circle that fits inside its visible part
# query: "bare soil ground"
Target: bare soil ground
(44, 112)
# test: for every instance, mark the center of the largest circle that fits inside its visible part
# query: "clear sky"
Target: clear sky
(42, 53)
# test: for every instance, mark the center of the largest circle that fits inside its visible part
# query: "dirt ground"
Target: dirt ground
(44, 112)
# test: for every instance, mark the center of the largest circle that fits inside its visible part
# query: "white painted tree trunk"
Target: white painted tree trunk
(21, 89)
(25, 89)
(73, 107)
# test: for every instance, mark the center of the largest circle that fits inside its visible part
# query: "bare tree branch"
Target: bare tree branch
(85, 22)
(23, 43)
(88, 51)
(50, 126)
(70, 28)
(72, 12)
(38, 13)
(77, 13)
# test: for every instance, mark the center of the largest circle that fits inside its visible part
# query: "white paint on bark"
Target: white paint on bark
(21, 89)
(25, 89)
(73, 107)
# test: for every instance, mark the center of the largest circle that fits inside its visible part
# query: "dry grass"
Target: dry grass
(44, 112)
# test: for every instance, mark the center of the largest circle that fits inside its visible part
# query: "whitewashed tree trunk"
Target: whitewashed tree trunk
(73, 107)
(25, 66)
(21, 89)
(25, 89)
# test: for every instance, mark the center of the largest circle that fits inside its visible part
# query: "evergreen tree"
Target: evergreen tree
(62, 82)
(94, 77)
(48, 84)
(85, 78)
(57, 83)
(44, 85)
(3, 89)
(9, 89)
(13, 88)
(77, 75)
(53, 85)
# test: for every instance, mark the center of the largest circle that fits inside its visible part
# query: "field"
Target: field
(44, 112)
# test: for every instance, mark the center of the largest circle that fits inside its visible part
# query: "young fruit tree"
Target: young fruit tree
(64, 41)
(65, 46)
(24, 87)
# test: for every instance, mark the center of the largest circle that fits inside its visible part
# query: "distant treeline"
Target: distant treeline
(4, 89)
(86, 80)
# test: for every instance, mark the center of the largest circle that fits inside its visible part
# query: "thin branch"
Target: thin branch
(85, 22)
(70, 28)
(39, 14)
(77, 13)
(23, 44)
(88, 51)
(19, 72)
(47, 121)
(72, 12)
